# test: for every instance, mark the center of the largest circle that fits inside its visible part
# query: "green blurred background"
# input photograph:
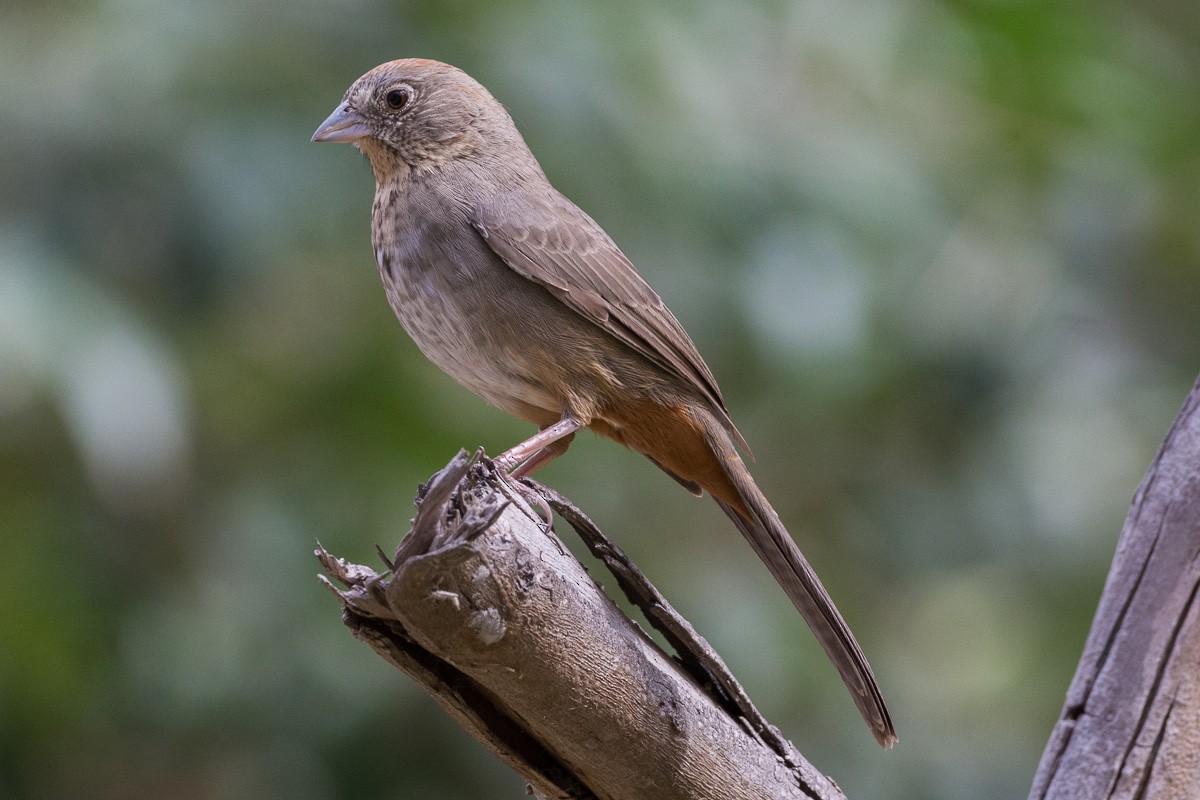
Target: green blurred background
(941, 256)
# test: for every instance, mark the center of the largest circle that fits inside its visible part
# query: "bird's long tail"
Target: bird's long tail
(696, 447)
(761, 526)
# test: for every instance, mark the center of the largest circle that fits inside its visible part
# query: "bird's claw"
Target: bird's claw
(532, 497)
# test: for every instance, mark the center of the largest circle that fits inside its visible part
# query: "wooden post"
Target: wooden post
(1131, 724)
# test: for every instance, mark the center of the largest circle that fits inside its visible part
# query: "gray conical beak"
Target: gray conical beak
(343, 125)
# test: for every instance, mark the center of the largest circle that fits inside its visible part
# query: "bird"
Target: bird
(521, 297)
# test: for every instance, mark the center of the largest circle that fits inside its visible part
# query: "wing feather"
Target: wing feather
(550, 241)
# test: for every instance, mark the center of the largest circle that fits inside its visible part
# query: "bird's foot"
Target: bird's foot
(531, 497)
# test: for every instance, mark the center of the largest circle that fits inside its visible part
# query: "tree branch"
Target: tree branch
(487, 610)
(1131, 724)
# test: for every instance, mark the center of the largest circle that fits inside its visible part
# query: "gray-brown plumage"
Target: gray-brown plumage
(517, 294)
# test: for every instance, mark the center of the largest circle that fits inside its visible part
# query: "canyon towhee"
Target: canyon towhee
(517, 294)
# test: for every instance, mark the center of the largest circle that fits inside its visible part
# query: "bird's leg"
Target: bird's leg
(539, 449)
(548, 444)
(541, 458)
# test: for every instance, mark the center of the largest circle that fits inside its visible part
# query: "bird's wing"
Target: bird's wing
(550, 241)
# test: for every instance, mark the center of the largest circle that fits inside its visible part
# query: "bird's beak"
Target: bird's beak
(343, 125)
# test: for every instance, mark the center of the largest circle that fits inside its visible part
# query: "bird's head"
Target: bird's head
(419, 114)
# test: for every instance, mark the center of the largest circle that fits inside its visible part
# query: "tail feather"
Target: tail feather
(766, 534)
(802, 586)
(693, 445)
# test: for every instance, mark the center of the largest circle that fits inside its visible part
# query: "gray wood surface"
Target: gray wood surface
(1131, 724)
(490, 613)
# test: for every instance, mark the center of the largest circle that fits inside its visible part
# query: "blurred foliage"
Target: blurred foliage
(941, 254)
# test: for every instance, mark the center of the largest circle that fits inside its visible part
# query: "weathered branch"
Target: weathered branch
(1131, 724)
(490, 614)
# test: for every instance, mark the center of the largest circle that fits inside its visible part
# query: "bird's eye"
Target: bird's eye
(397, 98)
